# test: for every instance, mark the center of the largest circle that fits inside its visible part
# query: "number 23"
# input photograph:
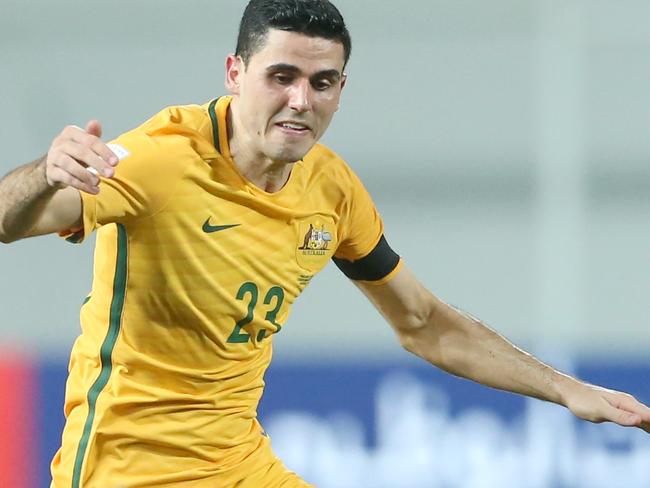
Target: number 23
(250, 289)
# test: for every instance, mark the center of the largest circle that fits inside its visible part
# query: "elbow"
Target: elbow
(5, 237)
(10, 229)
(426, 347)
(431, 348)
(419, 335)
(434, 336)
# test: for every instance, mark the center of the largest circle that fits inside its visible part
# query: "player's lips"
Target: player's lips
(293, 128)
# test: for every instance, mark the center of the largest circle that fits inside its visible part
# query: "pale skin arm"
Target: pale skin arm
(43, 197)
(463, 346)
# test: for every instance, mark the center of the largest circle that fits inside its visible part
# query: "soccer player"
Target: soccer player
(211, 219)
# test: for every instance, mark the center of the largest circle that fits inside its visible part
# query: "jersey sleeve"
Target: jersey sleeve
(143, 182)
(363, 253)
(361, 226)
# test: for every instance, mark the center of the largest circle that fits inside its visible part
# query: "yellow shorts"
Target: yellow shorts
(262, 469)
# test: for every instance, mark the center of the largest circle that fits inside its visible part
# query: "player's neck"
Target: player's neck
(261, 171)
(264, 174)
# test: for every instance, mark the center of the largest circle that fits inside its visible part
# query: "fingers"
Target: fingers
(645, 426)
(626, 410)
(622, 417)
(94, 128)
(77, 157)
(93, 143)
(597, 404)
(88, 157)
(69, 172)
(66, 179)
(631, 404)
(626, 402)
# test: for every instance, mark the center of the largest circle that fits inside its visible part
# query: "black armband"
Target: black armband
(376, 265)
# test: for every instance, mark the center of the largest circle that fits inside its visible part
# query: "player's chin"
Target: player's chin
(293, 152)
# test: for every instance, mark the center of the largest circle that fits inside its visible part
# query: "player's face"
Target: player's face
(284, 99)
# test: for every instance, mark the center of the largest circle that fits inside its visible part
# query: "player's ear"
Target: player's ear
(234, 69)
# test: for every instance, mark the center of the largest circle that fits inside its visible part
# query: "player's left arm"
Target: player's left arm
(464, 346)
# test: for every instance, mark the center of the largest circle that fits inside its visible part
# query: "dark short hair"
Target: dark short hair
(314, 18)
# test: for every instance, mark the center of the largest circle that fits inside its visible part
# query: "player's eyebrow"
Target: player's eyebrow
(326, 73)
(332, 74)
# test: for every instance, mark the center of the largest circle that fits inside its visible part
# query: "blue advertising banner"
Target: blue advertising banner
(409, 425)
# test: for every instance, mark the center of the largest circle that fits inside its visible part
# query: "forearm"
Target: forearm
(464, 346)
(24, 193)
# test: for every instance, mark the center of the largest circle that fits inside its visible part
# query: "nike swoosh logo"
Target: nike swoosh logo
(209, 229)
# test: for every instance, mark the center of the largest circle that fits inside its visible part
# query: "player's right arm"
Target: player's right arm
(43, 196)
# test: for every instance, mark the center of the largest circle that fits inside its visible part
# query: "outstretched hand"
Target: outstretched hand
(76, 158)
(597, 404)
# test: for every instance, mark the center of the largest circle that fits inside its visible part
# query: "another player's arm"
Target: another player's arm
(43, 196)
(464, 346)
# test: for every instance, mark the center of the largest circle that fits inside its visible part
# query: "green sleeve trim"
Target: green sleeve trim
(106, 351)
(215, 124)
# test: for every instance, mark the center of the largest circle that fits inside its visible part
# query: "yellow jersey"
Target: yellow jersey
(195, 271)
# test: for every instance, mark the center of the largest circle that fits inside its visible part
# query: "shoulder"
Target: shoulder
(163, 147)
(175, 131)
(325, 163)
(189, 122)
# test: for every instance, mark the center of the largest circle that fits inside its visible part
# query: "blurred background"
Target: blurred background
(506, 145)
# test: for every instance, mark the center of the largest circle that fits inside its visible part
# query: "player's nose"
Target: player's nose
(300, 96)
